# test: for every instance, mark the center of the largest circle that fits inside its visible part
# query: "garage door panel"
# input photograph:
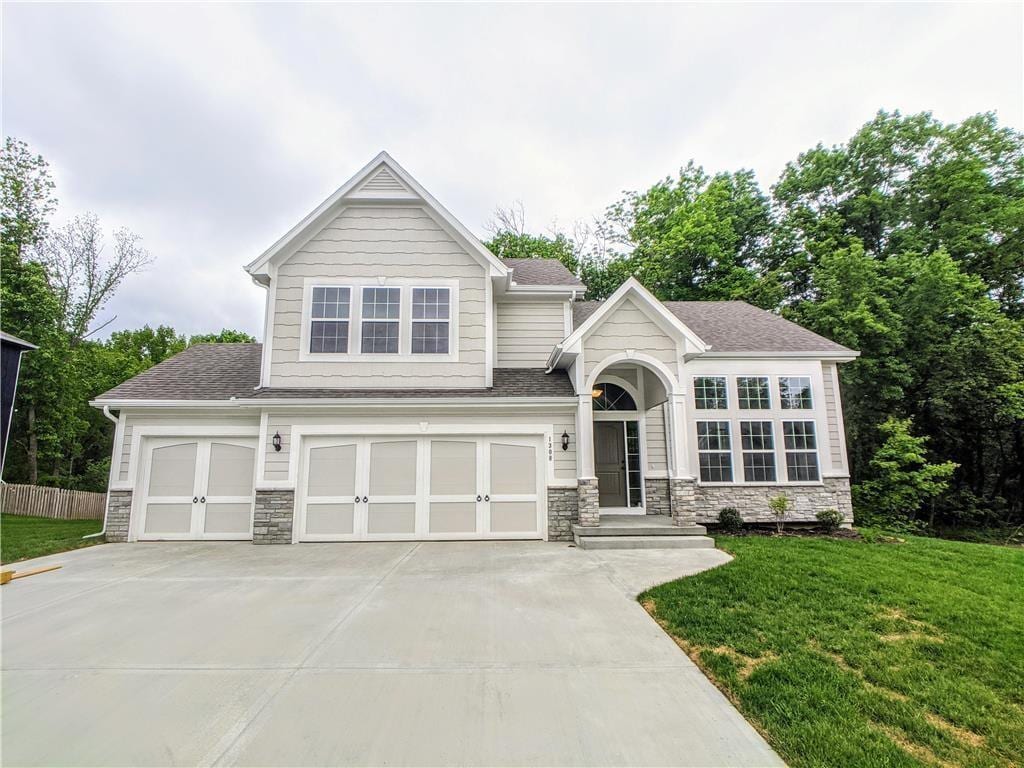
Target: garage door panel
(391, 518)
(513, 469)
(393, 468)
(453, 468)
(228, 518)
(332, 471)
(453, 517)
(172, 470)
(513, 516)
(168, 519)
(330, 519)
(231, 470)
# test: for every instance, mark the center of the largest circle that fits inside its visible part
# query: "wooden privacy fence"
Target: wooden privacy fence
(55, 503)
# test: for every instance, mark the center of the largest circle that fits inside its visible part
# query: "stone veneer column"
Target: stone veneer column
(119, 515)
(563, 512)
(589, 509)
(272, 518)
(656, 501)
(683, 501)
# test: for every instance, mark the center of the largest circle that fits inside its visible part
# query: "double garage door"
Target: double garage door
(198, 488)
(412, 487)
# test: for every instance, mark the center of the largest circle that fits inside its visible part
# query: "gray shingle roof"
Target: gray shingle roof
(201, 372)
(223, 371)
(541, 272)
(508, 382)
(734, 326)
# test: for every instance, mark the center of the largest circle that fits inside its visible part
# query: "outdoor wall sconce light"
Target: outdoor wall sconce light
(565, 441)
(277, 441)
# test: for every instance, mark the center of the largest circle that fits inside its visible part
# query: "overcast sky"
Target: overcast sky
(211, 130)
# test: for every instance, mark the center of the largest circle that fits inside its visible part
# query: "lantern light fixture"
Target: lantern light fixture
(565, 441)
(277, 441)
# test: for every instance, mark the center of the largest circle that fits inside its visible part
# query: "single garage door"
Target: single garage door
(197, 488)
(405, 487)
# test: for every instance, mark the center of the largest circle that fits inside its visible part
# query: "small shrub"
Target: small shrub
(729, 519)
(830, 519)
(779, 505)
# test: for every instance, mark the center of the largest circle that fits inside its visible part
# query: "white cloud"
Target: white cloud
(210, 130)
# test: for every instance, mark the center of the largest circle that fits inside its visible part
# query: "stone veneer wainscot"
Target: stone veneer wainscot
(119, 515)
(272, 520)
(752, 501)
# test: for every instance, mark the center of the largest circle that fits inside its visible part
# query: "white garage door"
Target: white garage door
(198, 489)
(386, 488)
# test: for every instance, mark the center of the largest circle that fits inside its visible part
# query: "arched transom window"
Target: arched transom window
(612, 397)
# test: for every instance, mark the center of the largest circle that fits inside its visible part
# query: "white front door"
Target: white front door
(197, 488)
(412, 487)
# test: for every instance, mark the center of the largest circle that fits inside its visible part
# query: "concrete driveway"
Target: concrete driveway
(476, 653)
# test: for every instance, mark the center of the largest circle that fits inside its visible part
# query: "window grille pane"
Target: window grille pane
(753, 392)
(328, 336)
(382, 303)
(713, 436)
(802, 466)
(430, 338)
(330, 302)
(710, 392)
(613, 398)
(799, 435)
(379, 338)
(430, 304)
(759, 467)
(795, 392)
(716, 467)
(756, 436)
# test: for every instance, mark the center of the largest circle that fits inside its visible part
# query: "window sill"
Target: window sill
(358, 357)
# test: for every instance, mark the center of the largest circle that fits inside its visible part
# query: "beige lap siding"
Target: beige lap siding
(277, 462)
(830, 380)
(627, 328)
(656, 443)
(527, 331)
(367, 243)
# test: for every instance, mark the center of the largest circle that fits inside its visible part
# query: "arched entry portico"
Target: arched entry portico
(614, 442)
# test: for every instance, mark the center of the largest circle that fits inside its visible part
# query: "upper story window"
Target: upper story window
(330, 317)
(710, 392)
(795, 392)
(752, 392)
(612, 397)
(431, 312)
(381, 316)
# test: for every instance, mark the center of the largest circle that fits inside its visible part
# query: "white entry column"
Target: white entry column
(587, 495)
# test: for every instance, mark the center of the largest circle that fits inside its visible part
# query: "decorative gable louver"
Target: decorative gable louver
(383, 181)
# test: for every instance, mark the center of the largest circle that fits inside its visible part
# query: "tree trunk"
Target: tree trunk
(33, 447)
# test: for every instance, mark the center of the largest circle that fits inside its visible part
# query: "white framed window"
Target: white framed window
(795, 392)
(714, 451)
(329, 319)
(801, 451)
(380, 324)
(710, 393)
(431, 313)
(757, 444)
(752, 393)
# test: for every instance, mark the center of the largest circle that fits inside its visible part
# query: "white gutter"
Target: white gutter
(103, 530)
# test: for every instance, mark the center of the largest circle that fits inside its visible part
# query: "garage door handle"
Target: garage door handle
(365, 499)
(487, 498)
(202, 500)
(479, 497)
(357, 499)
(195, 499)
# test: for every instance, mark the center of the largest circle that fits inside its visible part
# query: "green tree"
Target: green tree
(902, 479)
(225, 336)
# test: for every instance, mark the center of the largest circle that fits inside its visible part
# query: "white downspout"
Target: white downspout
(106, 508)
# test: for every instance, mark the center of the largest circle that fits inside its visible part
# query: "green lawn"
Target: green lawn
(25, 537)
(850, 653)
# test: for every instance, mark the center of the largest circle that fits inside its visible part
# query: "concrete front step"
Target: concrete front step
(606, 529)
(644, 542)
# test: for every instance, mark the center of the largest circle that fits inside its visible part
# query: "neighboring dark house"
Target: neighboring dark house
(11, 348)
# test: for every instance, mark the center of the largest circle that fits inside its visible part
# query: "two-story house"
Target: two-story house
(412, 385)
